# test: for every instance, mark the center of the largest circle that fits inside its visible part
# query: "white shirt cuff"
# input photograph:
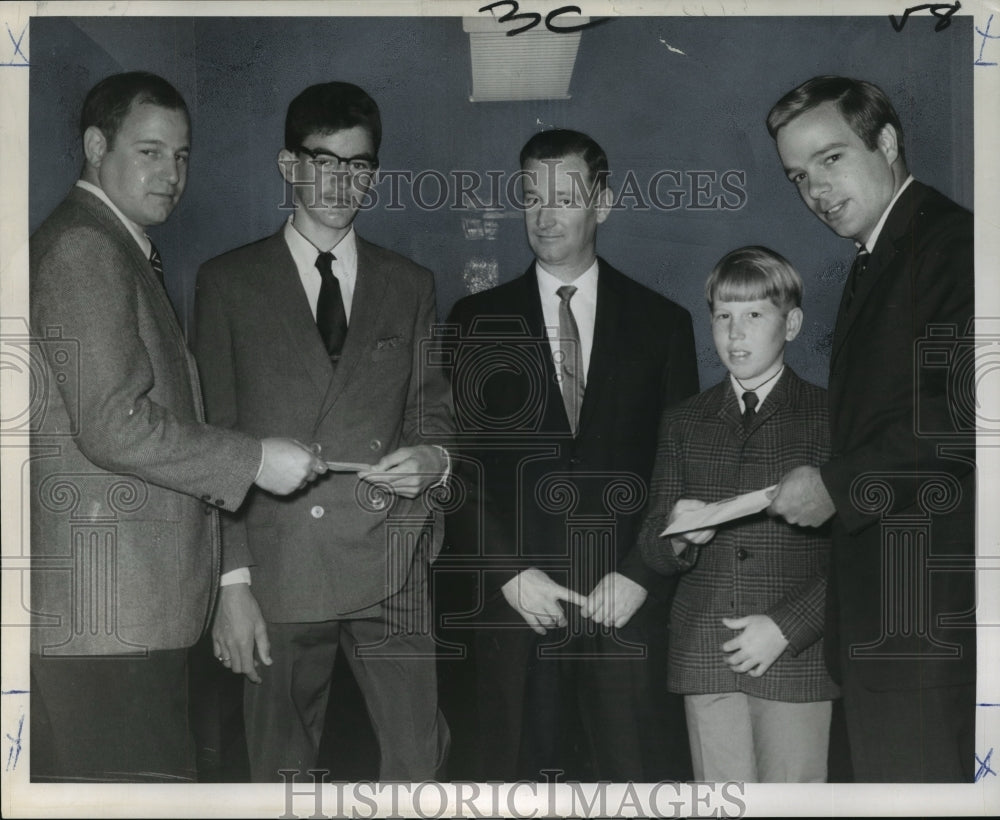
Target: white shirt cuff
(240, 575)
(443, 481)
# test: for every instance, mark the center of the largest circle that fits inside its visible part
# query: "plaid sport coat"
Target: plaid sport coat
(754, 565)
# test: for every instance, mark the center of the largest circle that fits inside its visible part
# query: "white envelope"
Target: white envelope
(719, 512)
(347, 466)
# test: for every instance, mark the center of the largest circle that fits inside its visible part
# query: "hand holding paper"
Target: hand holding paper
(684, 508)
(708, 515)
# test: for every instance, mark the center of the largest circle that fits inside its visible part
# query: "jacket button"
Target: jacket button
(206, 497)
(375, 444)
(219, 502)
(742, 554)
(317, 512)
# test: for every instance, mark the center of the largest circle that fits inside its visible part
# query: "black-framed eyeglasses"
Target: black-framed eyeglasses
(329, 162)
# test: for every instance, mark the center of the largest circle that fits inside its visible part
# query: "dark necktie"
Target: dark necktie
(857, 274)
(156, 262)
(750, 402)
(331, 318)
(571, 360)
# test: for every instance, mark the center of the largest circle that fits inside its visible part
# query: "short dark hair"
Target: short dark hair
(562, 142)
(864, 105)
(330, 107)
(754, 272)
(108, 102)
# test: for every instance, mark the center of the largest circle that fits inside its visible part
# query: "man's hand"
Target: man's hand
(287, 466)
(756, 647)
(237, 629)
(408, 471)
(614, 600)
(682, 539)
(536, 598)
(801, 498)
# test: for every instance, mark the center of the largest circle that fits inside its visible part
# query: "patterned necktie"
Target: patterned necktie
(857, 273)
(156, 262)
(750, 402)
(571, 358)
(331, 318)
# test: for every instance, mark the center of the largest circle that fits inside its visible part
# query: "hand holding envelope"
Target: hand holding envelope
(695, 520)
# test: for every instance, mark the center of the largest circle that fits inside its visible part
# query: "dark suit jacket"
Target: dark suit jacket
(338, 546)
(754, 565)
(540, 487)
(903, 458)
(124, 556)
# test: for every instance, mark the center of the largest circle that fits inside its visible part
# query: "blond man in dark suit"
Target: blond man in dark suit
(316, 331)
(124, 542)
(902, 454)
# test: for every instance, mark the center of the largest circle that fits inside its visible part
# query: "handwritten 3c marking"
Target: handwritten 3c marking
(534, 18)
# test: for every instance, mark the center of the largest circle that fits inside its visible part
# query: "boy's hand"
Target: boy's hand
(681, 540)
(536, 598)
(758, 646)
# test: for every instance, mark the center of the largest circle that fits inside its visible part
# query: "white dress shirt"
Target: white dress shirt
(762, 392)
(345, 265)
(870, 244)
(137, 232)
(583, 304)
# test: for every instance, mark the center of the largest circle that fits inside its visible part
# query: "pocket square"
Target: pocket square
(388, 343)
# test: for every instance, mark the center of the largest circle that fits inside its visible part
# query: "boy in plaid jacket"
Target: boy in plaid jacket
(747, 619)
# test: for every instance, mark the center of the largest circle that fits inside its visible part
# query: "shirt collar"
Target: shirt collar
(304, 252)
(145, 245)
(762, 392)
(549, 284)
(870, 244)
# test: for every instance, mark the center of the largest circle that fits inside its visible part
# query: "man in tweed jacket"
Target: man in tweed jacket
(747, 619)
(126, 477)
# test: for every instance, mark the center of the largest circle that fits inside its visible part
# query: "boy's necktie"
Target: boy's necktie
(750, 402)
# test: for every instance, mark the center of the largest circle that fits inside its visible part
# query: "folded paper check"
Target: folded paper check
(347, 466)
(719, 512)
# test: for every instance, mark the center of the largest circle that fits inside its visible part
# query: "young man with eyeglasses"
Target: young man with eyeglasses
(316, 332)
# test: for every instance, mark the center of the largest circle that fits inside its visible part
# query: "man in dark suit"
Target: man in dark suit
(901, 480)
(126, 476)
(318, 332)
(559, 379)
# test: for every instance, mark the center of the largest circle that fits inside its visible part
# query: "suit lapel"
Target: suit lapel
(896, 227)
(527, 302)
(366, 307)
(605, 353)
(729, 411)
(140, 264)
(727, 407)
(281, 286)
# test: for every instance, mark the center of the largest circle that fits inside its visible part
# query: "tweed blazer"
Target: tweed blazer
(125, 476)
(903, 432)
(337, 546)
(754, 565)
